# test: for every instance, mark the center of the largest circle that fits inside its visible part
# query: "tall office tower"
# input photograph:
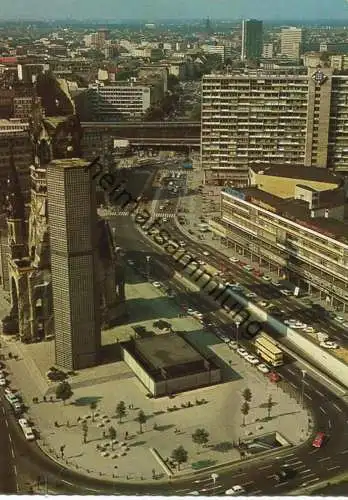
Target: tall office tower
(290, 42)
(252, 35)
(73, 239)
(274, 117)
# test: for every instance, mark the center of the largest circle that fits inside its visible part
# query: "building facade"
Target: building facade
(301, 238)
(290, 42)
(273, 116)
(252, 39)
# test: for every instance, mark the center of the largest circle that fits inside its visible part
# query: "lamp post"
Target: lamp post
(302, 386)
(237, 323)
(148, 267)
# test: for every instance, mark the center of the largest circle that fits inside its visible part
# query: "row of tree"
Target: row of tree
(245, 408)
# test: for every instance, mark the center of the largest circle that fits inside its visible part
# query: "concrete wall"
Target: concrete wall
(188, 382)
(139, 371)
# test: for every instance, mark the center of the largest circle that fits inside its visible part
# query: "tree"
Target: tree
(141, 418)
(200, 437)
(245, 410)
(121, 411)
(112, 434)
(93, 406)
(179, 455)
(269, 406)
(64, 391)
(84, 431)
(247, 395)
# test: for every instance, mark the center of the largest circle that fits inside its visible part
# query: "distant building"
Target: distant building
(252, 36)
(290, 42)
(74, 253)
(268, 50)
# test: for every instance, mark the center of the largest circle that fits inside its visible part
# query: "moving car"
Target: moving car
(319, 440)
(234, 260)
(263, 368)
(329, 344)
(157, 284)
(284, 474)
(235, 490)
(276, 283)
(206, 253)
(339, 319)
(286, 292)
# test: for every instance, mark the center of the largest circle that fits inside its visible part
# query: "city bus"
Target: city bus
(268, 349)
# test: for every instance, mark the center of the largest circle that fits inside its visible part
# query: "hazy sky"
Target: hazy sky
(173, 9)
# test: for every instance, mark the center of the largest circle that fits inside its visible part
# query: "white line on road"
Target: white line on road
(203, 480)
(286, 456)
(335, 467)
(291, 371)
(247, 484)
(184, 490)
(324, 459)
(344, 452)
(337, 407)
(15, 470)
(266, 467)
(92, 489)
(329, 424)
(6, 422)
(3, 410)
(254, 493)
(66, 482)
(322, 409)
(314, 451)
(291, 462)
(308, 396)
(270, 476)
(9, 438)
(305, 471)
(311, 474)
(310, 481)
(212, 488)
(12, 453)
(240, 474)
(281, 484)
(320, 393)
(293, 385)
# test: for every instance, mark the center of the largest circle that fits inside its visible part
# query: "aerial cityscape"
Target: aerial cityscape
(174, 248)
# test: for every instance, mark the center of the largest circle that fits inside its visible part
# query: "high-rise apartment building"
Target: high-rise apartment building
(73, 239)
(252, 36)
(290, 42)
(274, 117)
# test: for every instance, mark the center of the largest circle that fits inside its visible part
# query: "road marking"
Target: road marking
(15, 470)
(314, 451)
(183, 491)
(320, 393)
(308, 396)
(247, 484)
(254, 493)
(329, 424)
(323, 459)
(293, 385)
(9, 438)
(12, 453)
(305, 382)
(67, 482)
(337, 407)
(305, 471)
(322, 409)
(281, 484)
(310, 481)
(286, 456)
(3, 411)
(291, 462)
(266, 467)
(212, 488)
(344, 452)
(6, 422)
(90, 489)
(270, 476)
(240, 474)
(291, 371)
(335, 467)
(203, 480)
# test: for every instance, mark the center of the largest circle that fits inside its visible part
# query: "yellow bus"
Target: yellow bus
(268, 349)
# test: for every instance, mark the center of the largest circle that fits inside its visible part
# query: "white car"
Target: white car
(23, 422)
(198, 314)
(328, 344)
(233, 345)
(2, 382)
(251, 295)
(242, 352)
(262, 303)
(234, 260)
(182, 243)
(286, 292)
(194, 493)
(345, 324)
(235, 490)
(263, 368)
(190, 311)
(276, 283)
(265, 277)
(156, 284)
(252, 359)
(309, 329)
(339, 319)
(248, 268)
(130, 262)
(206, 253)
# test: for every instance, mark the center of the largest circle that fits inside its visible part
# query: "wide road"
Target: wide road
(311, 464)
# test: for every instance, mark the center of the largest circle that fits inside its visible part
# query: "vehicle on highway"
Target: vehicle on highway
(309, 329)
(276, 283)
(251, 295)
(206, 253)
(242, 352)
(284, 474)
(235, 490)
(157, 284)
(233, 344)
(329, 344)
(263, 368)
(275, 311)
(266, 277)
(190, 311)
(27, 430)
(234, 260)
(286, 292)
(248, 268)
(274, 377)
(194, 493)
(267, 348)
(252, 359)
(319, 440)
(262, 303)
(339, 319)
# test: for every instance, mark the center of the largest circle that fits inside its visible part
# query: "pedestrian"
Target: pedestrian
(126, 435)
(104, 435)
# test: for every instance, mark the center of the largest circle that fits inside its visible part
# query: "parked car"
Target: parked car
(276, 283)
(284, 474)
(263, 368)
(233, 345)
(319, 440)
(234, 260)
(157, 284)
(266, 277)
(242, 352)
(248, 268)
(274, 377)
(235, 490)
(253, 360)
(3, 382)
(286, 292)
(339, 319)
(329, 344)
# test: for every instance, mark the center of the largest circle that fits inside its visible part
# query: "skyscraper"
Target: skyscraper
(252, 39)
(73, 239)
(290, 42)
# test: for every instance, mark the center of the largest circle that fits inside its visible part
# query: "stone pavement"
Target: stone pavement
(131, 456)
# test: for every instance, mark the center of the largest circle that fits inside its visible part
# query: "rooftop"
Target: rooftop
(297, 172)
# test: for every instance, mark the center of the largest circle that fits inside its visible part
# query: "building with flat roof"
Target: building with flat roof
(167, 364)
(303, 238)
(290, 42)
(74, 255)
(252, 39)
(278, 116)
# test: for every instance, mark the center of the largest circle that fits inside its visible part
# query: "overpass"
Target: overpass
(165, 133)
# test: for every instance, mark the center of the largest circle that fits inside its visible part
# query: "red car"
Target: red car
(274, 377)
(319, 440)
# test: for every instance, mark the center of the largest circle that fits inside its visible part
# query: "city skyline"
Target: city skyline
(304, 10)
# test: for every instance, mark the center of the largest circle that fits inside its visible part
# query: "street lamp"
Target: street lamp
(302, 386)
(148, 267)
(237, 323)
